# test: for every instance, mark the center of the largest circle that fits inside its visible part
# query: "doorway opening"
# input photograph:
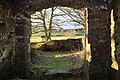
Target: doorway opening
(58, 40)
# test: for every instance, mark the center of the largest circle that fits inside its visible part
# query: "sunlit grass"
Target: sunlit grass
(80, 53)
(37, 38)
(59, 60)
(65, 37)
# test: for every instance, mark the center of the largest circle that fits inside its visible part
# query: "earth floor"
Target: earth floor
(58, 66)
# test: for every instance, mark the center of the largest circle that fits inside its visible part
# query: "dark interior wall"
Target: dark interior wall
(22, 47)
(117, 34)
(100, 40)
(14, 6)
(43, 4)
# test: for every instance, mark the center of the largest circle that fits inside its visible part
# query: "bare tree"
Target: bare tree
(73, 16)
(57, 17)
(44, 19)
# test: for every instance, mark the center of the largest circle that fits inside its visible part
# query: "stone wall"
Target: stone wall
(100, 40)
(117, 34)
(22, 47)
(99, 33)
(63, 45)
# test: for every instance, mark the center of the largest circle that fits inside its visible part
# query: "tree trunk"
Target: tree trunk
(49, 35)
(99, 38)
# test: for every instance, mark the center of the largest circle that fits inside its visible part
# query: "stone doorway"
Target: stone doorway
(99, 17)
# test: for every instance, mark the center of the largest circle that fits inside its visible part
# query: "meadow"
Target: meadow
(37, 38)
(56, 60)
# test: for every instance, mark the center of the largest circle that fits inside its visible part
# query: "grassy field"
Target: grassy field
(59, 60)
(37, 37)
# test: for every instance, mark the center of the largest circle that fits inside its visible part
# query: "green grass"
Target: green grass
(55, 65)
(50, 61)
(37, 38)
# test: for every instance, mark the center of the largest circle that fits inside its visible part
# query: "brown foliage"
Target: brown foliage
(63, 45)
